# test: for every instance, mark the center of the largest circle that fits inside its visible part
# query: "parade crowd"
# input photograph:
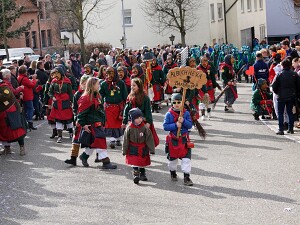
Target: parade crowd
(108, 103)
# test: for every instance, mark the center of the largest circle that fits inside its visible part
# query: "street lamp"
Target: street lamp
(172, 38)
(122, 40)
(65, 41)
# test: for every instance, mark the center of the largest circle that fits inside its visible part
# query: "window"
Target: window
(255, 5)
(27, 39)
(242, 6)
(127, 17)
(49, 37)
(42, 10)
(220, 11)
(261, 5)
(33, 36)
(249, 5)
(262, 31)
(212, 13)
(43, 36)
(47, 10)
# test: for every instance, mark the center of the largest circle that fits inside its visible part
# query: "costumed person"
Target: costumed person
(169, 64)
(91, 117)
(89, 70)
(157, 83)
(123, 75)
(137, 144)
(75, 140)
(137, 98)
(177, 148)
(211, 84)
(114, 93)
(228, 77)
(48, 104)
(262, 103)
(12, 122)
(61, 93)
(137, 72)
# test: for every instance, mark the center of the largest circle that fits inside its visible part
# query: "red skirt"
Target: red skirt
(7, 134)
(137, 155)
(112, 112)
(158, 93)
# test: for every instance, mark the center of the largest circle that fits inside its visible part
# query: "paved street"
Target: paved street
(243, 173)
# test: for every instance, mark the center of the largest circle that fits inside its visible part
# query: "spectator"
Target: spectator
(261, 70)
(286, 86)
(29, 85)
(76, 68)
(110, 58)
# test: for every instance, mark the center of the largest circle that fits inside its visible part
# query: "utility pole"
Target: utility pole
(123, 20)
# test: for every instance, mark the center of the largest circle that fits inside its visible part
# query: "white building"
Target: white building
(137, 32)
(249, 19)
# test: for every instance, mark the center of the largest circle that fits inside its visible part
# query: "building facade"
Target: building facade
(243, 20)
(44, 33)
(137, 30)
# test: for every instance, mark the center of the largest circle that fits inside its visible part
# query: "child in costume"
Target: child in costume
(91, 117)
(262, 103)
(137, 144)
(75, 140)
(177, 148)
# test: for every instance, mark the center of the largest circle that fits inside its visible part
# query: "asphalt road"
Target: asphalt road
(243, 174)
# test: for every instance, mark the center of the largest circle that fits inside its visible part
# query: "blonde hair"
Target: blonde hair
(89, 90)
(33, 65)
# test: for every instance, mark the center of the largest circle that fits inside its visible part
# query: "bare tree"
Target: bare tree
(82, 15)
(166, 15)
(292, 9)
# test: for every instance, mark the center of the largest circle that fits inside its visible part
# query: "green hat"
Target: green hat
(176, 96)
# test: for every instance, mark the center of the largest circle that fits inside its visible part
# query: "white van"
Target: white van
(16, 52)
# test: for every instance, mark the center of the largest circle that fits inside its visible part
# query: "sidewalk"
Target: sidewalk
(273, 125)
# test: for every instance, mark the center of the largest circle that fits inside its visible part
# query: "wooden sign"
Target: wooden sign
(186, 78)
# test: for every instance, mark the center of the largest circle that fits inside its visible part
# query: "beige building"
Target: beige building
(237, 22)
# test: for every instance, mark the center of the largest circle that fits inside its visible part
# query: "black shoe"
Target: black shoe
(280, 133)
(187, 181)
(83, 160)
(54, 133)
(263, 117)
(31, 127)
(226, 109)
(118, 143)
(173, 176)
(136, 176)
(71, 161)
(291, 131)
(112, 144)
(256, 116)
(109, 166)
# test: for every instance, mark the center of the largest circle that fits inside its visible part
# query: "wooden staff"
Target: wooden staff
(181, 110)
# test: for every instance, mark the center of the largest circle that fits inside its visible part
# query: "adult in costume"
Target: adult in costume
(114, 94)
(61, 93)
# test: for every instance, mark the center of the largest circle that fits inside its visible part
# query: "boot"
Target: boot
(143, 174)
(256, 116)
(187, 181)
(7, 150)
(209, 113)
(70, 132)
(22, 150)
(97, 160)
(173, 176)
(84, 157)
(112, 144)
(107, 164)
(202, 114)
(136, 175)
(59, 139)
(71, 161)
(156, 107)
(31, 127)
(290, 131)
(54, 133)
